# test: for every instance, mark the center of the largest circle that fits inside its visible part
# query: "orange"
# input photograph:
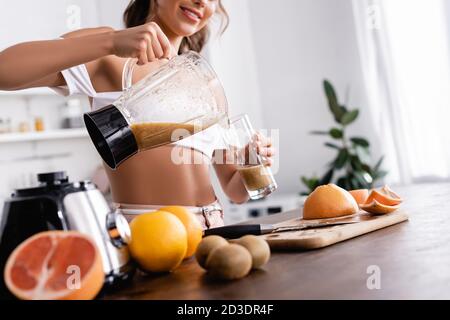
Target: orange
(360, 195)
(329, 201)
(55, 265)
(381, 201)
(378, 208)
(382, 197)
(191, 223)
(158, 241)
(391, 195)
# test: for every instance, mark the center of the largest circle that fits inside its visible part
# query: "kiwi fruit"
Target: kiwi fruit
(229, 262)
(206, 246)
(258, 248)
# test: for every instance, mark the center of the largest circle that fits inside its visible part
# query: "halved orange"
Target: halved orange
(55, 265)
(360, 195)
(376, 207)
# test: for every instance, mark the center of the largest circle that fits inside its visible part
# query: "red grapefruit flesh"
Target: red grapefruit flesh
(55, 265)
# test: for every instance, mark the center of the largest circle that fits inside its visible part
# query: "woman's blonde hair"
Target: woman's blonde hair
(138, 12)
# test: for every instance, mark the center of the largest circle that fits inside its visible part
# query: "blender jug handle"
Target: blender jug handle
(127, 74)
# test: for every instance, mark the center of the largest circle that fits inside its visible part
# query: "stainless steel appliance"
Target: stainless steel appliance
(57, 204)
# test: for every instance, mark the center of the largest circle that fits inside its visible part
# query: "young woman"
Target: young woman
(90, 62)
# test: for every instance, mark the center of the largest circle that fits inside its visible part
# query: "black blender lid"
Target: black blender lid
(53, 182)
(53, 177)
(111, 135)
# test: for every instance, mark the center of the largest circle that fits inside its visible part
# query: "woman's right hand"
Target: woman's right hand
(147, 43)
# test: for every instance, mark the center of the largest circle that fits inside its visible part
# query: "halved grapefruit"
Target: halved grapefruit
(55, 265)
(391, 194)
(376, 207)
(329, 201)
(360, 195)
(384, 196)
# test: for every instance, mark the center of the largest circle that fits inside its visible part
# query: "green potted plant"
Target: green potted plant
(350, 169)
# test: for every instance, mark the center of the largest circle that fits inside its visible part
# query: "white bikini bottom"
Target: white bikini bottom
(210, 216)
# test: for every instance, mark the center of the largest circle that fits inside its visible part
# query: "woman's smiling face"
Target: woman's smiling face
(185, 17)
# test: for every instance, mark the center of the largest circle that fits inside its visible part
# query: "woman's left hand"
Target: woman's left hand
(264, 148)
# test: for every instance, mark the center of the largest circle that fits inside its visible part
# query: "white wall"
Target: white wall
(110, 12)
(29, 20)
(298, 43)
(233, 57)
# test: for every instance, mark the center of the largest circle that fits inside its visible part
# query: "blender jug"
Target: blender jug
(179, 99)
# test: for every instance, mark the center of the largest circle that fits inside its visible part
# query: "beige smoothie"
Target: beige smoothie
(255, 177)
(150, 135)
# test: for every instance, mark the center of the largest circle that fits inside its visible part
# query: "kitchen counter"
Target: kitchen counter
(413, 259)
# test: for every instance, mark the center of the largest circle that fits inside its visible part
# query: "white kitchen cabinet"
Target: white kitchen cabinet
(28, 92)
(275, 203)
(61, 134)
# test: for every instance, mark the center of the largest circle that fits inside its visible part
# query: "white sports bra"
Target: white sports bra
(79, 82)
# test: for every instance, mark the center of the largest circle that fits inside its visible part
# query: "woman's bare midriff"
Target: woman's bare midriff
(152, 178)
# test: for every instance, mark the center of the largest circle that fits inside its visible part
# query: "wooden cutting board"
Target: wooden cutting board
(322, 237)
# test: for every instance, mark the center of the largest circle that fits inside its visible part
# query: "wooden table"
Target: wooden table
(413, 257)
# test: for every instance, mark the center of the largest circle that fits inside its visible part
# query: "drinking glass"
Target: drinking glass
(241, 140)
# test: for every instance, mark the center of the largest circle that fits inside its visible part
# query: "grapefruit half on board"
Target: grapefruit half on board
(55, 265)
